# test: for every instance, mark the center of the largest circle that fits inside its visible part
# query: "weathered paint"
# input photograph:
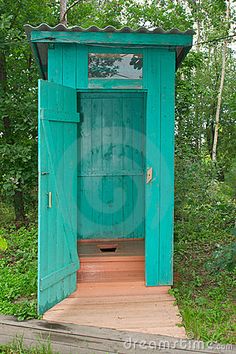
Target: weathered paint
(111, 165)
(152, 70)
(58, 259)
(101, 158)
(115, 84)
(129, 39)
(166, 175)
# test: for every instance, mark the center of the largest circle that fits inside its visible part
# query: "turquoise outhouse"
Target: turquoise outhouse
(106, 147)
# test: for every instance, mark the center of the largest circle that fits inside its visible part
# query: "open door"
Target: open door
(57, 254)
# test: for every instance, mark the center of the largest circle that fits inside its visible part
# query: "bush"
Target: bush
(18, 273)
(205, 251)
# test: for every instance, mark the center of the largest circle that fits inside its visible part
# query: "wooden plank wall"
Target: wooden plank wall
(158, 80)
(111, 165)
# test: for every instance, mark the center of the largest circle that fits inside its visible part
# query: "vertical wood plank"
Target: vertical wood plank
(128, 198)
(55, 55)
(70, 161)
(82, 67)
(152, 189)
(43, 168)
(117, 126)
(167, 167)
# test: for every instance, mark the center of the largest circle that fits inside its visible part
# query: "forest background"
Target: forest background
(205, 152)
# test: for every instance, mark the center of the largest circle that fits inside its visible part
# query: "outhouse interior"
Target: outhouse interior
(106, 155)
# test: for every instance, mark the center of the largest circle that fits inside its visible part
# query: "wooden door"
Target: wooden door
(111, 165)
(58, 259)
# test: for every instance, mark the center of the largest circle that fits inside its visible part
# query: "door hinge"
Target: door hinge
(149, 175)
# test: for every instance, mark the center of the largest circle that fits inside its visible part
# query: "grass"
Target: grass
(17, 347)
(205, 262)
(18, 273)
(205, 295)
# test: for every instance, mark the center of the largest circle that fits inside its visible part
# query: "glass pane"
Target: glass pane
(115, 66)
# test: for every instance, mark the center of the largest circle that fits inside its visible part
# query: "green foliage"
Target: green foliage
(223, 258)
(205, 193)
(18, 347)
(3, 243)
(204, 207)
(18, 99)
(197, 80)
(230, 178)
(18, 271)
(205, 263)
(6, 214)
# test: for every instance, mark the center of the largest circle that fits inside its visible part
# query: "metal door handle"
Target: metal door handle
(49, 199)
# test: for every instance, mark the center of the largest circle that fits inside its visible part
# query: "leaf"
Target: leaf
(3, 244)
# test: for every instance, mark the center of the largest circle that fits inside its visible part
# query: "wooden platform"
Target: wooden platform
(120, 305)
(111, 292)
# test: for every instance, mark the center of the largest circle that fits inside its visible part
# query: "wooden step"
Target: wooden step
(106, 248)
(111, 269)
(111, 261)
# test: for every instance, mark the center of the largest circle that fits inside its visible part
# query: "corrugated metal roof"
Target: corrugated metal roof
(41, 49)
(110, 29)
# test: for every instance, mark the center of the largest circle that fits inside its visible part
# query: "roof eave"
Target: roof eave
(125, 37)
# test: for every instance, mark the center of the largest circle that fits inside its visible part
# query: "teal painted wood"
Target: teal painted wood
(111, 164)
(114, 49)
(55, 66)
(152, 72)
(70, 69)
(82, 67)
(167, 80)
(115, 83)
(63, 69)
(120, 39)
(57, 234)
(68, 65)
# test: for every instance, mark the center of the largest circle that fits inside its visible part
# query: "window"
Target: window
(115, 66)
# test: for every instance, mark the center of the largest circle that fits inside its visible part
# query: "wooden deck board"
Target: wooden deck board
(120, 305)
(111, 292)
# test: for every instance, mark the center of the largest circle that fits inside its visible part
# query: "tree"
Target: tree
(18, 105)
(201, 122)
(218, 108)
(63, 8)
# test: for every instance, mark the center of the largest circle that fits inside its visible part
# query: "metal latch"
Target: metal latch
(149, 175)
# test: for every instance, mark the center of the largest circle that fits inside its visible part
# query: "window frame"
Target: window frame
(114, 83)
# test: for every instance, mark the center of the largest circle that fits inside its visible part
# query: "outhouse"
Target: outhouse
(106, 150)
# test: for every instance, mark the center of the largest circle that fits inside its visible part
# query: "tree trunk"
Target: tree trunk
(19, 207)
(219, 100)
(63, 17)
(198, 7)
